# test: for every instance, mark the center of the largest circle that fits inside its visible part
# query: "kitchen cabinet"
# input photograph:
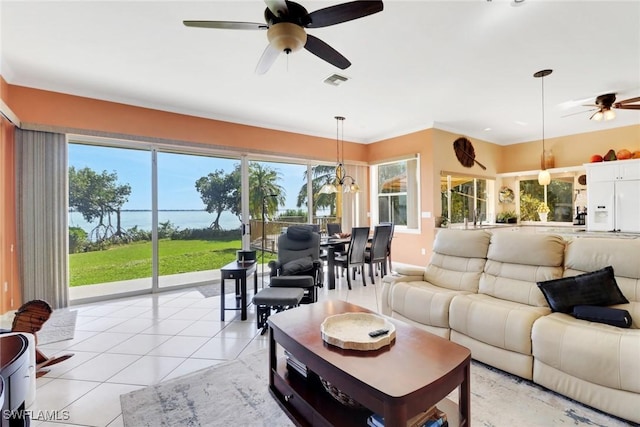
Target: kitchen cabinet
(613, 196)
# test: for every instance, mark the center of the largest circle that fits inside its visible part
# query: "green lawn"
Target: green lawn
(133, 261)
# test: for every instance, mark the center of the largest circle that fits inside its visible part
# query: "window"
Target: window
(558, 196)
(396, 191)
(464, 197)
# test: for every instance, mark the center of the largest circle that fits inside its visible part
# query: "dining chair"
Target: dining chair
(333, 228)
(354, 257)
(377, 253)
(389, 245)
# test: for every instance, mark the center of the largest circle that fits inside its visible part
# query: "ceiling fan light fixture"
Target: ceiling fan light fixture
(597, 116)
(287, 37)
(609, 114)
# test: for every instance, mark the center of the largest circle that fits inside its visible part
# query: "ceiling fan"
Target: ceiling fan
(607, 102)
(285, 25)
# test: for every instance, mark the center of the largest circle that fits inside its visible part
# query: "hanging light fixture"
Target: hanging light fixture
(341, 176)
(544, 178)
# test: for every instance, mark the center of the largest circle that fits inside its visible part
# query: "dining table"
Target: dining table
(330, 244)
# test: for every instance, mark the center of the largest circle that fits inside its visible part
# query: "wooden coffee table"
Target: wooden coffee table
(416, 371)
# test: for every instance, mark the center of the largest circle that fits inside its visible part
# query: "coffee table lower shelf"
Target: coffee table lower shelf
(308, 404)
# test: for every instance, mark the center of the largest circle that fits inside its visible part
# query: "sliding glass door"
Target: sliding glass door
(110, 220)
(145, 219)
(199, 210)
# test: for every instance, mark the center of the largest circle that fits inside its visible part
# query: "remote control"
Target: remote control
(378, 332)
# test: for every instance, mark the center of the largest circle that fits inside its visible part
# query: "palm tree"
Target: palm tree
(322, 174)
(263, 181)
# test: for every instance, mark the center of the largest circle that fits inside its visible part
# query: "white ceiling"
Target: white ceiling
(462, 66)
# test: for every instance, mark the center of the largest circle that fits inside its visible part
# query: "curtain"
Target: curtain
(42, 205)
(354, 206)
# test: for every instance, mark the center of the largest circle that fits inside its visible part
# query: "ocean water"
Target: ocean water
(180, 219)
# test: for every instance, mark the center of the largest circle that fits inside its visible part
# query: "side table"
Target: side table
(238, 271)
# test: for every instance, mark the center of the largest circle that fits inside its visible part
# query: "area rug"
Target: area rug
(209, 290)
(236, 393)
(60, 326)
(229, 394)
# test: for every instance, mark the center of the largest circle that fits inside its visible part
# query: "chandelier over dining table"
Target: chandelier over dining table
(341, 180)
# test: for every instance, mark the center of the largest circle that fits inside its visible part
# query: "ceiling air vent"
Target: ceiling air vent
(335, 80)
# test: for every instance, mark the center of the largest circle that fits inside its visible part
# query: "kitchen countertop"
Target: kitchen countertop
(562, 229)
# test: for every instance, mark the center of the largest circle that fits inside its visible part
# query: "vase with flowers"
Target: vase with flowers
(543, 211)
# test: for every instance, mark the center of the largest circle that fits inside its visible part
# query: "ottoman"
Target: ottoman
(307, 283)
(278, 299)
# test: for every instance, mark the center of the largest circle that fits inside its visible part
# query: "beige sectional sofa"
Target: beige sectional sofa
(480, 290)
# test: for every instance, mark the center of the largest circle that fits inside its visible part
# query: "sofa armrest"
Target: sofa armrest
(406, 270)
(388, 282)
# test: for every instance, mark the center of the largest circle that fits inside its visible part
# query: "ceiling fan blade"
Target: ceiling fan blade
(267, 59)
(628, 107)
(629, 101)
(226, 25)
(580, 112)
(593, 115)
(277, 7)
(326, 52)
(343, 12)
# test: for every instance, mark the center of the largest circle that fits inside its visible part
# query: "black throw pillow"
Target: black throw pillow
(297, 266)
(610, 316)
(595, 288)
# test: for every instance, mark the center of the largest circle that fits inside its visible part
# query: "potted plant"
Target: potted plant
(442, 221)
(543, 211)
(507, 217)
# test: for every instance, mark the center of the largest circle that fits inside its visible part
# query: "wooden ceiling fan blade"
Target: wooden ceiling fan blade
(628, 107)
(226, 25)
(277, 7)
(343, 12)
(629, 101)
(326, 52)
(267, 59)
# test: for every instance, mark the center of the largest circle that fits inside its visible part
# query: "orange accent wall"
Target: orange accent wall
(10, 298)
(61, 110)
(572, 150)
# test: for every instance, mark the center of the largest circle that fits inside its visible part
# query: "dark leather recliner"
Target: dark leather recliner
(298, 257)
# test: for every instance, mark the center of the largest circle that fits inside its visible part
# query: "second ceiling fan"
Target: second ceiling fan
(285, 25)
(607, 102)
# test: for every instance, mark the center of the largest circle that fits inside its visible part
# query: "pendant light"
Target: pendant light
(341, 176)
(544, 178)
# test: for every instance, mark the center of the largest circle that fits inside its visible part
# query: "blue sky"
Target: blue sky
(177, 174)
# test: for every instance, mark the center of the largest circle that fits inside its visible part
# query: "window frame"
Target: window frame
(413, 200)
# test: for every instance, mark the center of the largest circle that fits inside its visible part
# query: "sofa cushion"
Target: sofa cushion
(455, 273)
(593, 352)
(423, 302)
(500, 323)
(517, 261)
(594, 288)
(462, 243)
(586, 254)
(458, 259)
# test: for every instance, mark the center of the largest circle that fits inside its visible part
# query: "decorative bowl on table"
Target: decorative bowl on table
(350, 331)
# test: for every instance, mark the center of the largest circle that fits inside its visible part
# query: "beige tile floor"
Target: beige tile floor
(127, 344)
